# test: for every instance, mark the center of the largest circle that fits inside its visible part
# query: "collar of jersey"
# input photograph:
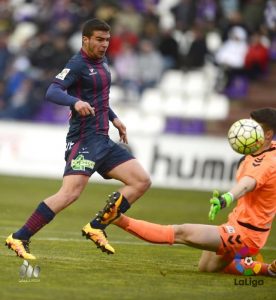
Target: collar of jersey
(267, 150)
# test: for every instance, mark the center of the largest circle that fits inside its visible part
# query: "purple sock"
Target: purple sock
(40, 217)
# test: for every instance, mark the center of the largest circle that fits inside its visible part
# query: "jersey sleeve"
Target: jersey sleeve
(70, 74)
(111, 115)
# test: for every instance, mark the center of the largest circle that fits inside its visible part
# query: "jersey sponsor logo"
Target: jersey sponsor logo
(79, 164)
(92, 72)
(63, 74)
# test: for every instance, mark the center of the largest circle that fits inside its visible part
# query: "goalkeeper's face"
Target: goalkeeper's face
(96, 45)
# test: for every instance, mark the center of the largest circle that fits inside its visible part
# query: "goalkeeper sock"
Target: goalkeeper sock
(241, 268)
(150, 232)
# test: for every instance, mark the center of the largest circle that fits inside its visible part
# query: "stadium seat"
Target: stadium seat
(174, 105)
(138, 121)
(237, 88)
(210, 74)
(172, 81)
(217, 107)
(195, 107)
(196, 84)
(184, 126)
(152, 124)
(151, 101)
(116, 94)
(52, 113)
(131, 117)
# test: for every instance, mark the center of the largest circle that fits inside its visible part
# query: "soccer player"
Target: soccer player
(84, 85)
(248, 225)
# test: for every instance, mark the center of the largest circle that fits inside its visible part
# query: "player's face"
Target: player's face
(96, 45)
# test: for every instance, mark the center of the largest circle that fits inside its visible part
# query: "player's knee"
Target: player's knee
(181, 234)
(207, 268)
(210, 262)
(202, 267)
(144, 184)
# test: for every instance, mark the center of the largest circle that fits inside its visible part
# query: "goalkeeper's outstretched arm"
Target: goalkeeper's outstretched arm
(246, 184)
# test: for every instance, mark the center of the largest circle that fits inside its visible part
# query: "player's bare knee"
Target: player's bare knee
(207, 268)
(210, 262)
(181, 234)
(146, 183)
(203, 267)
(143, 185)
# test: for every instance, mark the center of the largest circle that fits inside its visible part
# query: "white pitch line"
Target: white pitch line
(57, 239)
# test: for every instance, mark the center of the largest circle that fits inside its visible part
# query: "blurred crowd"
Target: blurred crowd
(149, 37)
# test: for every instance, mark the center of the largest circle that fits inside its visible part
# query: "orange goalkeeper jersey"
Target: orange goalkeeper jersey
(255, 210)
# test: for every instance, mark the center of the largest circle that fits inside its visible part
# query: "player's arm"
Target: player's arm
(246, 184)
(56, 93)
(117, 123)
(111, 115)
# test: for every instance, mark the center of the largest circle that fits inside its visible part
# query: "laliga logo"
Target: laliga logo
(252, 266)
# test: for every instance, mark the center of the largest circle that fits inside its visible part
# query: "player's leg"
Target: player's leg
(70, 190)
(136, 182)
(72, 187)
(195, 235)
(211, 262)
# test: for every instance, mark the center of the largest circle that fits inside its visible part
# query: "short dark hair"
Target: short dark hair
(94, 25)
(266, 116)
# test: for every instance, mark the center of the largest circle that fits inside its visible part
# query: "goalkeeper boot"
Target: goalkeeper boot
(20, 247)
(112, 209)
(272, 269)
(98, 236)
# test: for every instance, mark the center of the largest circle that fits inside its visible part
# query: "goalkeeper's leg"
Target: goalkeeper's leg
(195, 235)
(206, 237)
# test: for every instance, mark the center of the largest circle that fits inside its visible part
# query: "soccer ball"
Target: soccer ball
(246, 136)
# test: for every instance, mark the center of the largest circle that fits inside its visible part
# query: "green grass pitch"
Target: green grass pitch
(72, 267)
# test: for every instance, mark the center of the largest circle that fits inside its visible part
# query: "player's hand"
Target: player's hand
(84, 108)
(122, 130)
(218, 202)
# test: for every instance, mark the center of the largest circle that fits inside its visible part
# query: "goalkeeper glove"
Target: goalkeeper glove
(218, 202)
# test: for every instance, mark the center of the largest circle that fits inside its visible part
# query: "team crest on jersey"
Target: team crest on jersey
(92, 71)
(106, 67)
(63, 74)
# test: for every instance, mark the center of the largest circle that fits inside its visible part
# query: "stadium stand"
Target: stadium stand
(36, 38)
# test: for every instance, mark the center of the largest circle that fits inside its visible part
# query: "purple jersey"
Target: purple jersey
(88, 80)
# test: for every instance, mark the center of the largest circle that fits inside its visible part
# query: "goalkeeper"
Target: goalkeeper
(249, 224)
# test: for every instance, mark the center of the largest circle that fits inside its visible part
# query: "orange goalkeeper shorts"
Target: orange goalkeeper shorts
(234, 240)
